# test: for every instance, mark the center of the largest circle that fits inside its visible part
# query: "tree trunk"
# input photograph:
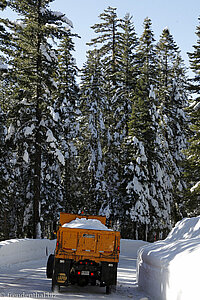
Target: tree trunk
(37, 157)
(37, 180)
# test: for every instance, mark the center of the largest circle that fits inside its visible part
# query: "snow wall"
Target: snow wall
(20, 250)
(170, 269)
(130, 247)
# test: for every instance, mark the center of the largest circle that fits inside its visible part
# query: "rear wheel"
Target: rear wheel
(49, 270)
(55, 287)
(107, 290)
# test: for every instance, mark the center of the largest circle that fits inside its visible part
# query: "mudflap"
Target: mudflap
(61, 272)
(109, 273)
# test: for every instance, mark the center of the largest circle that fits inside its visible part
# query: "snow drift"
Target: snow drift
(170, 269)
(20, 250)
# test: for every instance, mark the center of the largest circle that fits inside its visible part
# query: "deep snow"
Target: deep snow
(20, 250)
(28, 279)
(84, 223)
(170, 269)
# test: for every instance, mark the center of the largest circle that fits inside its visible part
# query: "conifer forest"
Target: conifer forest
(120, 138)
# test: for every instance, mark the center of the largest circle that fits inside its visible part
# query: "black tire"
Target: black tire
(108, 290)
(55, 288)
(49, 270)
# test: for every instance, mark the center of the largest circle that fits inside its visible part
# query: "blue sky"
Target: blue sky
(180, 16)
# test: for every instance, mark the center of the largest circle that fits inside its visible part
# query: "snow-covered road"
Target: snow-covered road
(28, 281)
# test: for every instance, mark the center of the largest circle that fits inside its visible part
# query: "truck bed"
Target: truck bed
(79, 244)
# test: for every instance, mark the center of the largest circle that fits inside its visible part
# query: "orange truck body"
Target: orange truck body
(79, 244)
(84, 256)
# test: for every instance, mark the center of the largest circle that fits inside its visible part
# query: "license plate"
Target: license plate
(85, 273)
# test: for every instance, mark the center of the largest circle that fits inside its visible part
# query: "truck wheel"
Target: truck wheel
(55, 287)
(49, 270)
(107, 290)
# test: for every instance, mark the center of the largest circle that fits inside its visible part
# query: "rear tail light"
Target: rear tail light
(92, 274)
(79, 273)
(84, 262)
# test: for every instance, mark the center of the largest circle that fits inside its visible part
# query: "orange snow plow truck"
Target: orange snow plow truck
(87, 253)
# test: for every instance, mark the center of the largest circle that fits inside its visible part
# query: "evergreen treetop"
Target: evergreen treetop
(146, 56)
(193, 153)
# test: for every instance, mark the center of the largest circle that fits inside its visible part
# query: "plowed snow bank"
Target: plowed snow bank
(170, 269)
(20, 250)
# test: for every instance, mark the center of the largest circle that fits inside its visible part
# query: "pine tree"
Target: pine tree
(149, 191)
(146, 80)
(94, 132)
(122, 109)
(4, 179)
(107, 43)
(193, 153)
(146, 56)
(8, 224)
(34, 64)
(167, 52)
(5, 48)
(66, 109)
(127, 76)
(108, 37)
(116, 42)
(147, 209)
(173, 100)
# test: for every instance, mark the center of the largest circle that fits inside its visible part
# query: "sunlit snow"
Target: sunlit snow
(84, 223)
(170, 269)
(26, 156)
